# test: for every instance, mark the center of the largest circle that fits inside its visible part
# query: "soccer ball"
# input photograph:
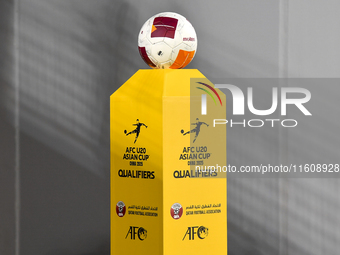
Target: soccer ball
(167, 40)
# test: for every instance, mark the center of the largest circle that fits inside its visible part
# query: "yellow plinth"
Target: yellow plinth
(160, 202)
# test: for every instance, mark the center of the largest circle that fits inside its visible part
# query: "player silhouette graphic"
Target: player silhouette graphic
(196, 130)
(136, 130)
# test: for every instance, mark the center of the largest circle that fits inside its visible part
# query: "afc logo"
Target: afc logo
(199, 231)
(136, 232)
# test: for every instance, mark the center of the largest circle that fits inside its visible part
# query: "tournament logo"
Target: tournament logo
(176, 211)
(136, 130)
(120, 209)
(200, 231)
(196, 129)
(142, 233)
(137, 232)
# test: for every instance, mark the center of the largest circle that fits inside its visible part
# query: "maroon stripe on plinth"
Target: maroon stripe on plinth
(145, 57)
(166, 27)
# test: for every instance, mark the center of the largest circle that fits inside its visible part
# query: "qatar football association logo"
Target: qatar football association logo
(176, 211)
(120, 209)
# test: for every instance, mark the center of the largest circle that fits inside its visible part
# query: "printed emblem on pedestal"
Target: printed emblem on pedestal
(135, 131)
(120, 209)
(176, 211)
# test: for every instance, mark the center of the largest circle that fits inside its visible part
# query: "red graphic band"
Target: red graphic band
(164, 27)
(145, 57)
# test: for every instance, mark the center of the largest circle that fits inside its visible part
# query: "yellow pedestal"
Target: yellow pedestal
(159, 203)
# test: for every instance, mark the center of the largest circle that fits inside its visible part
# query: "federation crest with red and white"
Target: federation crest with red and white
(176, 211)
(167, 40)
(120, 209)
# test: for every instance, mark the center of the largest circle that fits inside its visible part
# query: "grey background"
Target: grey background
(61, 60)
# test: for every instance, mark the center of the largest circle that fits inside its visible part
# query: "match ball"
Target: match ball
(167, 40)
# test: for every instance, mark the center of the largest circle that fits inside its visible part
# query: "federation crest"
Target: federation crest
(120, 209)
(176, 211)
